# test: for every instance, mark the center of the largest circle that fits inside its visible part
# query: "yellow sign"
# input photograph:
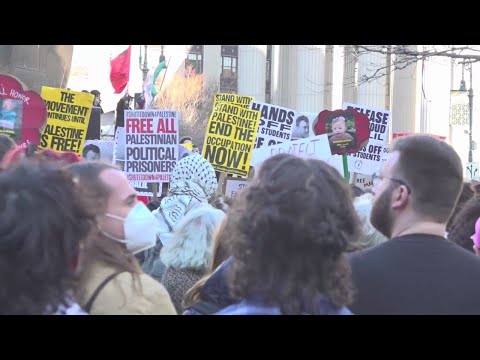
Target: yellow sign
(68, 114)
(230, 138)
(240, 100)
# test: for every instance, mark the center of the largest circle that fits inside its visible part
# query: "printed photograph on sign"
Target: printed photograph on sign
(302, 128)
(347, 130)
(341, 131)
(97, 150)
(23, 113)
(11, 117)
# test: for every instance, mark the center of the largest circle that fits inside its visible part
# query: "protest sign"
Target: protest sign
(240, 100)
(316, 147)
(231, 133)
(364, 182)
(234, 186)
(22, 113)
(151, 144)
(397, 135)
(368, 160)
(276, 124)
(68, 113)
(347, 130)
(95, 150)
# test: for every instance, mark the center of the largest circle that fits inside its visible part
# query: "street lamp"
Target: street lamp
(144, 69)
(470, 107)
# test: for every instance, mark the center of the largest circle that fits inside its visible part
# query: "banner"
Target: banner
(369, 159)
(231, 133)
(276, 124)
(98, 150)
(151, 144)
(234, 186)
(68, 113)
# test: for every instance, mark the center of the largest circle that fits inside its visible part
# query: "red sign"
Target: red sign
(396, 135)
(348, 130)
(22, 113)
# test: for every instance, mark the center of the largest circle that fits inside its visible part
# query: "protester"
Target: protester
(466, 194)
(6, 144)
(476, 238)
(188, 256)
(43, 226)
(418, 271)
(97, 101)
(370, 236)
(211, 293)
(18, 153)
(192, 183)
(122, 105)
(289, 232)
(463, 225)
(111, 280)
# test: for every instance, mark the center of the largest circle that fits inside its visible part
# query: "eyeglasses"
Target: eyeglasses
(377, 179)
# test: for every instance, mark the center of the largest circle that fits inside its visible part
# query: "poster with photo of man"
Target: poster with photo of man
(98, 150)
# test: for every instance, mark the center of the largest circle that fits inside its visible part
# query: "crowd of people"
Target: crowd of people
(298, 240)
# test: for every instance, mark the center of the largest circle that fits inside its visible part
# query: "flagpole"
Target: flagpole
(161, 85)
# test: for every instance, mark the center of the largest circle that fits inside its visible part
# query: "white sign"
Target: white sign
(233, 187)
(471, 170)
(151, 144)
(364, 182)
(276, 124)
(369, 159)
(98, 150)
(316, 147)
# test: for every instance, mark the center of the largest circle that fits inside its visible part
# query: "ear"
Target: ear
(400, 197)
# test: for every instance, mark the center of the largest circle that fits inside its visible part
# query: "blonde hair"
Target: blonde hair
(220, 253)
(338, 119)
(191, 245)
(370, 236)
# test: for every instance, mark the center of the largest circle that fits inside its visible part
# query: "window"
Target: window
(268, 76)
(195, 58)
(228, 78)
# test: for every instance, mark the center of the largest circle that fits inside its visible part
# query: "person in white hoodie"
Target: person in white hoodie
(192, 184)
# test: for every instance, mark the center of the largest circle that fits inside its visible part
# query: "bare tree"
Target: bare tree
(399, 57)
(189, 94)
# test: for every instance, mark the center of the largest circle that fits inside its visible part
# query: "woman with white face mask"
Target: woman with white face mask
(111, 280)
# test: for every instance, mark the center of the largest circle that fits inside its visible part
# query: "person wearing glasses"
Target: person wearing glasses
(417, 271)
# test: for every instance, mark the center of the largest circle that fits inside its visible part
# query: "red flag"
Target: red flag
(120, 70)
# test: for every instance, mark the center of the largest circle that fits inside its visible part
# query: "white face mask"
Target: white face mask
(140, 228)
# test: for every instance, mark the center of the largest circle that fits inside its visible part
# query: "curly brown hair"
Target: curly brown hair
(289, 230)
(463, 226)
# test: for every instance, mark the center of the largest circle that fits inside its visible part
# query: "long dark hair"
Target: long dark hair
(98, 247)
(288, 232)
(43, 223)
(463, 226)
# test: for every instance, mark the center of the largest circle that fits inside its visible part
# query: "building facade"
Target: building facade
(307, 78)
